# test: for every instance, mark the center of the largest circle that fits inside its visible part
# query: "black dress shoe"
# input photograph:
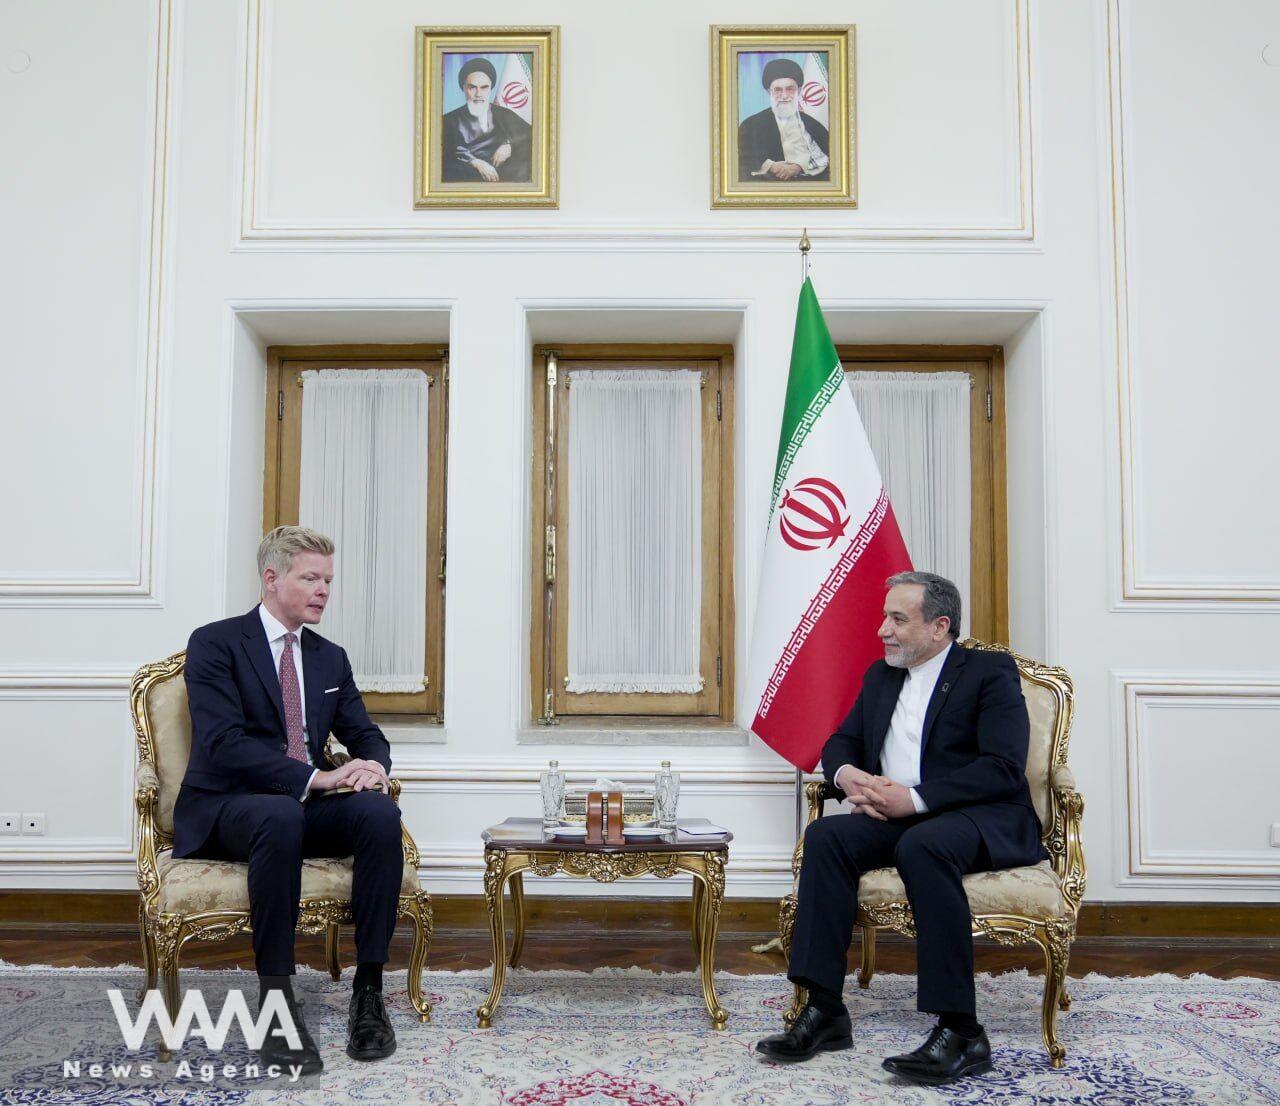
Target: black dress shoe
(945, 1057)
(275, 1048)
(369, 1032)
(812, 1032)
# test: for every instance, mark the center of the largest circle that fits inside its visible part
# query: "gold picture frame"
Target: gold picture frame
(486, 110)
(813, 73)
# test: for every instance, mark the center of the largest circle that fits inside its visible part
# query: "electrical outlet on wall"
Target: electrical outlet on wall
(33, 824)
(9, 822)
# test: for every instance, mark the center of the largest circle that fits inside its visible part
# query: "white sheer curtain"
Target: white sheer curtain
(364, 483)
(635, 530)
(918, 424)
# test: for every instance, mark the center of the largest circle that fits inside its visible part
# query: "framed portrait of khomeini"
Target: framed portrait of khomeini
(486, 117)
(782, 117)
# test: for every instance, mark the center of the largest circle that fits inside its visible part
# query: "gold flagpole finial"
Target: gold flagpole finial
(804, 241)
(804, 254)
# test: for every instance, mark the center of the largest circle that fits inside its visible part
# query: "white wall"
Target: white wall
(1086, 183)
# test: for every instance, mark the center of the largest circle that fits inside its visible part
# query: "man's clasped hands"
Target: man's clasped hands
(359, 775)
(874, 796)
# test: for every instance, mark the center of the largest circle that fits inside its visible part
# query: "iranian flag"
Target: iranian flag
(514, 87)
(814, 89)
(831, 542)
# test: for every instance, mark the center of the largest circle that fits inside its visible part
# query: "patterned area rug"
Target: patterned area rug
(635, 1038)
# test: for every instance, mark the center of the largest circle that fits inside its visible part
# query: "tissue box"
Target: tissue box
(637, 804)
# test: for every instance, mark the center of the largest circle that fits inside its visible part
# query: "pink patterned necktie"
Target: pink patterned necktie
(292, 697)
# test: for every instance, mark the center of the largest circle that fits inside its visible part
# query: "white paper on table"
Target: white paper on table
(700, 827)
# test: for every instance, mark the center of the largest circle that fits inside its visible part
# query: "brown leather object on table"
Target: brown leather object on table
(595, 818)
(613, 819)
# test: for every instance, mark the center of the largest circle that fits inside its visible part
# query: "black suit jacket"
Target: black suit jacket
(238, 737)
(759, 138)
(973, 748)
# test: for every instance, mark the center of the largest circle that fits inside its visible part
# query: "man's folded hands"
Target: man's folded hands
(359, 775)
(874, 796)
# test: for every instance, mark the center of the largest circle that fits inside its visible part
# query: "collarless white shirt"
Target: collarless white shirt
(275, 631)
(903, 744)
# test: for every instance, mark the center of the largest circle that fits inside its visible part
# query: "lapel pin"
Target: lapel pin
(946, 688)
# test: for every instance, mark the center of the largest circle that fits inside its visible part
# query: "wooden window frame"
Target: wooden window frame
(282, 480)
(549, 563)
(988, 617)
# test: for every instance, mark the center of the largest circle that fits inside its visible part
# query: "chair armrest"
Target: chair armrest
(1062, 779)
(1066, 842)
(145, 779)
(816, 792)
(146, 795)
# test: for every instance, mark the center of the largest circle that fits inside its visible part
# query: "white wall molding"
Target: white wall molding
(140, 587)
(521, 233)
(23, 854)
(68, 683)
(712, 766)
(1139, 860)
(1137, 589)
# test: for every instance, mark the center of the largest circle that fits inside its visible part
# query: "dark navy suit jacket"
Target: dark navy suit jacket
(973, 747)
(238, 737)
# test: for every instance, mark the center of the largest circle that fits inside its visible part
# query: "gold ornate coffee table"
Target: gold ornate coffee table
(520, 845)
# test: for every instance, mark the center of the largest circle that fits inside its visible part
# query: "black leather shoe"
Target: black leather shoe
(945, 1057)
(275, 1049)
(369, 1032)
(812, 1032)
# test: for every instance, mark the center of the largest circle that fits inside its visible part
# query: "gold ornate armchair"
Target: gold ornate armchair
(1012, 907)
(185, 899)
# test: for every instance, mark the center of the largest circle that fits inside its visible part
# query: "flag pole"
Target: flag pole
(804, 275)
(776, 942)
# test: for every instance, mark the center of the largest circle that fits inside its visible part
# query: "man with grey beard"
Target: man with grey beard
(932, 760)
(783, 143)
(484, 141)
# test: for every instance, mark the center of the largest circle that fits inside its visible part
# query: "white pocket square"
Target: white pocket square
(330, 690)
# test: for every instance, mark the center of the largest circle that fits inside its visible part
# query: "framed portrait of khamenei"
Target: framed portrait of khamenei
(782, 117)
(486, 117)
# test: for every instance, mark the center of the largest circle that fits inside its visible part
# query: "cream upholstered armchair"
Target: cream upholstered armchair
(185, 899)
(1012, 907)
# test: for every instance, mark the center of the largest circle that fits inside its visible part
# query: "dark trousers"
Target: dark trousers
(275, 832)
(931, 852)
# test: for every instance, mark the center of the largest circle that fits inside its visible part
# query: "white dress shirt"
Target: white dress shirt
(276, 631)
(900, 756)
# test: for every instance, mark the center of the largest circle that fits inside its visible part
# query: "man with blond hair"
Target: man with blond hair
(265, 691)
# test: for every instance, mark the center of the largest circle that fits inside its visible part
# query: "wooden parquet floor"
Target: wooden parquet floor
(575, 948)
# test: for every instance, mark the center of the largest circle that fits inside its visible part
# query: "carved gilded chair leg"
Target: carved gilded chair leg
(419, 911)
(168, 938)
(516, 884)
(1064, 1000)
(868, 968)
(786, 933)
(331, 950)
(786, 924)
(1055, 937)
(148, 952)
(799, 997)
